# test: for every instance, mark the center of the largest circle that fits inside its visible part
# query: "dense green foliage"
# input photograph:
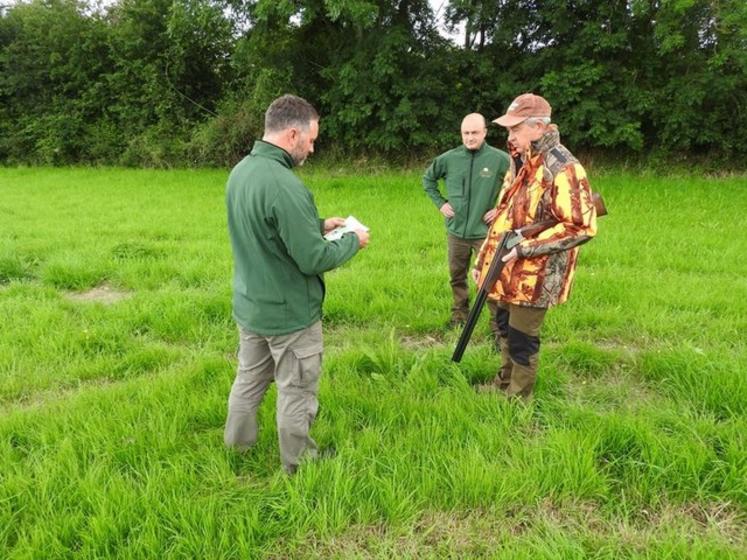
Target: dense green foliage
(112, 403)
(184, 82)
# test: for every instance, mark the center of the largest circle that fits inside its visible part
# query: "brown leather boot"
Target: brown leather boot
(522, 379)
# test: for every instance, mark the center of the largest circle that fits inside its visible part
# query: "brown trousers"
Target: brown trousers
(460, 254)
(519, 328)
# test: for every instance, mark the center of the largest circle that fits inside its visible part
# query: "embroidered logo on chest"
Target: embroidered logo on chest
(485, 172)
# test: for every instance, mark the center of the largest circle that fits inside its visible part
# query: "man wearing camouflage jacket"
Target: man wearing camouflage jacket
(550, 186)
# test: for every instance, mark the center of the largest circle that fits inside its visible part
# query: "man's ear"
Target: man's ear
(540, 128)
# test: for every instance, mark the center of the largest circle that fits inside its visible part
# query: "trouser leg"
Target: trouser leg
(299, 359)
(504, 373)
(524, 326)
(475, 245)
(253, 376)
(459, 251)
(494, 328)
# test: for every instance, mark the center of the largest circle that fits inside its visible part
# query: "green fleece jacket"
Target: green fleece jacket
(278, 249)
(473, 179)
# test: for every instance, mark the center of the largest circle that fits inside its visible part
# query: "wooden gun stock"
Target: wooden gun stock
(598, 201)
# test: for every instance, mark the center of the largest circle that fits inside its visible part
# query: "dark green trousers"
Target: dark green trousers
(460, 253)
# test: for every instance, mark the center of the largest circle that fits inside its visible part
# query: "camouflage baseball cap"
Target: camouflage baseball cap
(523, 107)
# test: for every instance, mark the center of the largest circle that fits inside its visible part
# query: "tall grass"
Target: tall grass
(112, 411)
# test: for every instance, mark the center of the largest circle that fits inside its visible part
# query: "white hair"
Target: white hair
(532, 120)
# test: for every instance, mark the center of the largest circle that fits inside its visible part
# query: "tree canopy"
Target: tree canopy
(186, 82)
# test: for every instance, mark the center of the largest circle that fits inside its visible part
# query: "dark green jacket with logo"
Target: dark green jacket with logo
(473, 180)
(278, 249)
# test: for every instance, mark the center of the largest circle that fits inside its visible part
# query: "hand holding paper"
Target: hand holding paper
(351, 224)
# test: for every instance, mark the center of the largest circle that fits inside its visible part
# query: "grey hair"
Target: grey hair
(532, 120)
(289, 111)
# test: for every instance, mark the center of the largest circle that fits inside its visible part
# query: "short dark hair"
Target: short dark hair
(289, 111)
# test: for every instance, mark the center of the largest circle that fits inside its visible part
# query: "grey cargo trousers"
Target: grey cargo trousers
(294, 362)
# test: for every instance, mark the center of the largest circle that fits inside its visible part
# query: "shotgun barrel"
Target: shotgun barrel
(496, 266)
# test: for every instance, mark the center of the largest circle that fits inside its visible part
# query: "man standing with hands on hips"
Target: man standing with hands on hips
(473, 174)
(550, 189)
(279, 256)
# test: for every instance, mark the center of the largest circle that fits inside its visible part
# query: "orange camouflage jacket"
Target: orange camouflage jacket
(551, 185)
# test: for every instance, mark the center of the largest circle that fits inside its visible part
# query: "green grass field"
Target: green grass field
(112, 403)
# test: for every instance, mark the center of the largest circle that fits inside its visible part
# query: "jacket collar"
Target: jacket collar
(271, 151)
(478, 151)
(548, 141)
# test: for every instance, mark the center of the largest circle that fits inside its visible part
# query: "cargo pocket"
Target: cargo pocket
(309, 366)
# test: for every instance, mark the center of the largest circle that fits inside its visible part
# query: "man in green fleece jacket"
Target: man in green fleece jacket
(473, 174)
(279, 256)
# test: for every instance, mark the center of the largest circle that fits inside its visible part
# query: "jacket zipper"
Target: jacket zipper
(469, 192)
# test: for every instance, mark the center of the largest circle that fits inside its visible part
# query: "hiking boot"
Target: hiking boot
(493, 386)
